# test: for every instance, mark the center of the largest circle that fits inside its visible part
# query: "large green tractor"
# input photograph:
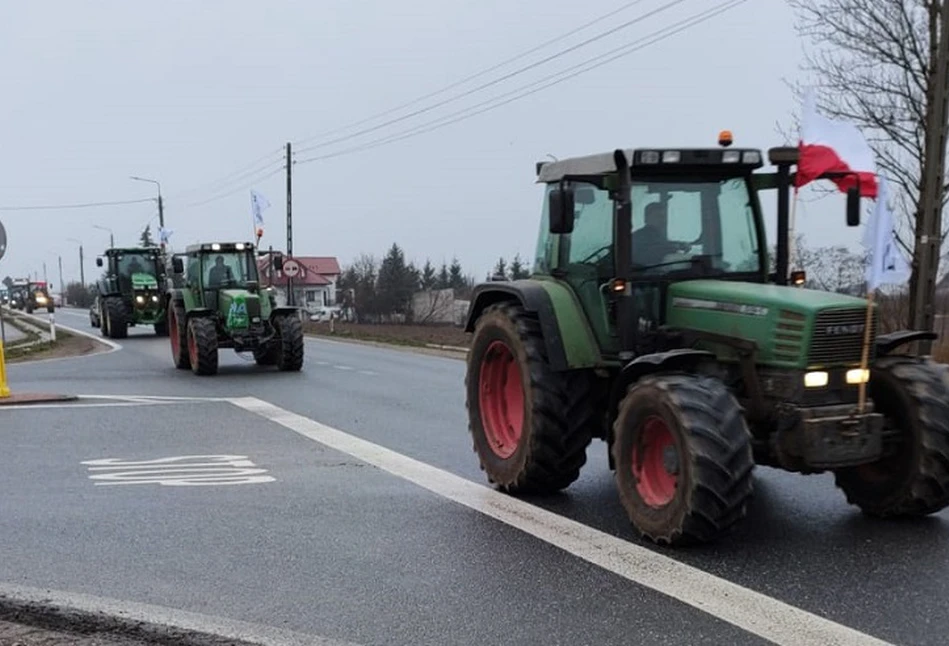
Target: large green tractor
(216, 302)
(130, 292)
(651, 321)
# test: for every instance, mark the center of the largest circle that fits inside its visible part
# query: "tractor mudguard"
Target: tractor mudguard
(200, 312)
(678, 359)
(567, 336)
(277, 311)
(886, 343)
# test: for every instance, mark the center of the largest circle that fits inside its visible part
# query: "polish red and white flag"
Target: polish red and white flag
(832, 146)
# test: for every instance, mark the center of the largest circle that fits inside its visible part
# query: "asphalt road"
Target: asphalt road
(363, 518)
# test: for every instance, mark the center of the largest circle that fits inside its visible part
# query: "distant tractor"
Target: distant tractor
(131, 291)
(651, 322)
(36, 296)
(216, 302)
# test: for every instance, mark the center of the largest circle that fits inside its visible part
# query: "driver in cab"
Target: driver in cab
(220, 273)
(651, 242)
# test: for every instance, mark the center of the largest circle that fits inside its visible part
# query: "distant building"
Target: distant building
(314, 289)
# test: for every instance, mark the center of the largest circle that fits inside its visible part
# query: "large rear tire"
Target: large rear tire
(202, 346)
(912, 479)
(529, 424)
(683, 458)
(289, 355)
(117, 321)
(178, 333)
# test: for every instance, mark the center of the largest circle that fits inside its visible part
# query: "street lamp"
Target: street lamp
(161, 210)
(111, 235)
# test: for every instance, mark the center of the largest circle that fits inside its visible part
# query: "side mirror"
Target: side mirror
(278, 261)
(177, 265)
(561, 206)
(853, 207)
(99, 261)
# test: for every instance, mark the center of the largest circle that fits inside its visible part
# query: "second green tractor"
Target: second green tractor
(215, 301)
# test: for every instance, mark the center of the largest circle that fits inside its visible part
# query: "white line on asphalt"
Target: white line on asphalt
(72, 406)
(162, 616)
(752, 611)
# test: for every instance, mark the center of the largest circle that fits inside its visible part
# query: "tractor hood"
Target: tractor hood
(240, 308)
(142, 280)
(791, 327)
(722, 293)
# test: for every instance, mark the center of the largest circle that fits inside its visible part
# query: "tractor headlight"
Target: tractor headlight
(139, 299)
(40, 299)
(731, 156)
(858, 376)
(817, 379)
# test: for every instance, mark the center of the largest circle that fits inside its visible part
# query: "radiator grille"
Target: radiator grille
(838, 337)
(789, 336)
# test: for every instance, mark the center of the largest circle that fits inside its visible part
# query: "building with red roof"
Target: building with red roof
(313, 289)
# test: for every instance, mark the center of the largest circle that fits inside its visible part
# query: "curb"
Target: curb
(16, 399)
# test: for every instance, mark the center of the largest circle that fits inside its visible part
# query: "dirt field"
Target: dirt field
(414, 335)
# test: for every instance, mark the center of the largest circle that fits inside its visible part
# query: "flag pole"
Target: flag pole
(792, 247)
(865, 354)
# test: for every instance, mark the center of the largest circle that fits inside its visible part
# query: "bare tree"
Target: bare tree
(874, 63)
(833, 268)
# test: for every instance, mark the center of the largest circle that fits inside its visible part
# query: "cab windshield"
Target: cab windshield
(227, 269)
(677, 222)
(136, 263)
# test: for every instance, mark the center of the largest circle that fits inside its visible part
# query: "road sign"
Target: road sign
(3, 240)
(291, 268)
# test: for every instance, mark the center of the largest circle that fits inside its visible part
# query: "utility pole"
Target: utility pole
(290, 299)
(929, 225)
(45, 279)
(62, 288)
(82, 269)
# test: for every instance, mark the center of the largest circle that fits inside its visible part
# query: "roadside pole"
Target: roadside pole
(4, 389)
(290, 299)
(52, 327)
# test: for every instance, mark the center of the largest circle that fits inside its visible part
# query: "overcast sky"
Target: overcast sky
(190, 92)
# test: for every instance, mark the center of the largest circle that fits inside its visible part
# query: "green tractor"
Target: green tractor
(216, 302)
(651, 321)
(131, 291)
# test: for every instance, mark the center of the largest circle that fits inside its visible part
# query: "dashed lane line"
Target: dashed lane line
(747, 609)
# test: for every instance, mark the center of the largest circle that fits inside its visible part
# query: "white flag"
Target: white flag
(258, 204)
(164, 234)
(888, 265)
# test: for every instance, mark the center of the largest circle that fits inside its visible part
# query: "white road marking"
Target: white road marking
(751, 611)
(343, 367)
(178, 471)
(163, 617)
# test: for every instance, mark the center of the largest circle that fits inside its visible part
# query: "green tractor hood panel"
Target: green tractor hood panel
(240, 308)
(142, 280)
(792, 327)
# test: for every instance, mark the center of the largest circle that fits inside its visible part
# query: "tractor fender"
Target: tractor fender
(647, 364)
(555, 306)
(886, 343)
(280, 311)
(199, 312)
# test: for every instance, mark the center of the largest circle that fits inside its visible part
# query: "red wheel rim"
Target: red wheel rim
(656, 463)
(501, 399)
(192, 346)
(173, 333)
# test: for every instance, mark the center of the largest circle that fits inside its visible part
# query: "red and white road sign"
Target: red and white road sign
(291, 268)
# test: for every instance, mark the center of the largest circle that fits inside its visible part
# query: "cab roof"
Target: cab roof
(651, 160)
(209, 247)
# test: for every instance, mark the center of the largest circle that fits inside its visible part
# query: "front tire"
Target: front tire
(115, 315)
(530, 425)
(202, 346)
(178, 334)
(913, 478)
(683, 458)
(289, 354)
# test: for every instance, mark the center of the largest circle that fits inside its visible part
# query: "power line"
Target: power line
(472, 76)
(517, 72)
(53, 207)
(249, 168)
(235, 190)
(620, 52)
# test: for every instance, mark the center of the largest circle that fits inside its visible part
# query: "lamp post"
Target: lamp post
(111, 235)
(161, 209)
